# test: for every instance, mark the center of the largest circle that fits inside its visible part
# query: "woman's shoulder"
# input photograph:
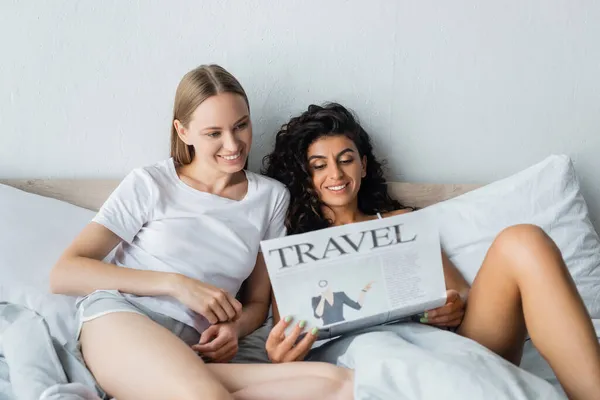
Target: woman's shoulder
(266, 184)
(148, 179)
(151, 174)
(265, 180)
(396, 212)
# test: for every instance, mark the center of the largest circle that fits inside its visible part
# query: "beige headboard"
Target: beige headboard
(86, 193)
(91, 193)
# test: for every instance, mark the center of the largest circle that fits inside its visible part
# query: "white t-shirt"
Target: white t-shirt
(169, 226)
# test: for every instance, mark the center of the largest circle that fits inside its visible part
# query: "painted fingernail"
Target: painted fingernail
(425, 315)
(302, 324)
(314, 331)
(288, 318)
(424, 320)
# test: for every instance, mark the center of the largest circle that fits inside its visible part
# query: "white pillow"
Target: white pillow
(546, 194)
(34, 231)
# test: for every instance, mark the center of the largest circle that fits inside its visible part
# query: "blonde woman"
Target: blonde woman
(186, 232)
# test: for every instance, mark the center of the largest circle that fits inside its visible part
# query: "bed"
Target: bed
(555, 180)
(91, 193)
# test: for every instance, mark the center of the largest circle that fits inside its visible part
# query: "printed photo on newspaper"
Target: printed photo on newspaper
(354, 276)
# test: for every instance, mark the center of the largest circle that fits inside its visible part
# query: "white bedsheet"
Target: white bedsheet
(413, 361)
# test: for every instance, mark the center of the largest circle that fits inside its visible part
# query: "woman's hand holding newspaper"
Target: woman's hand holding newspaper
(285, 349)
(450, 314)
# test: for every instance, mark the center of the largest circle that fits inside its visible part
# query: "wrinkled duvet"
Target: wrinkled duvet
(403, 361)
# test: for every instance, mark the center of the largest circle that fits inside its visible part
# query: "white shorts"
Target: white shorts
(103, 302)
(251, 349)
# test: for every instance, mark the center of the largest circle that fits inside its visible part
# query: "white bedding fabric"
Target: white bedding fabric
(34, 231)
(413, 361)
(546, 194)
(69, 391)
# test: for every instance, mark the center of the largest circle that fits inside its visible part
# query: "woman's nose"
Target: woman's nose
(231, 142)
(335, 172)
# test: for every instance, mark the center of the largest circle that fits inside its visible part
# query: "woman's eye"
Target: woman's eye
(317, 167)
(348, 161)
(214, 134)
(243, 125)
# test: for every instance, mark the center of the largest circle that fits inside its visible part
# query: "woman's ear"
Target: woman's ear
(181, 131)
(364, 166)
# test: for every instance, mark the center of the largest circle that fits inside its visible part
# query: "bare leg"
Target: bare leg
(524, 286)
(132, 357)
(297, 389)
(290, 381)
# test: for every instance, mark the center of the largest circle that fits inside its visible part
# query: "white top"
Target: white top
(168, 226)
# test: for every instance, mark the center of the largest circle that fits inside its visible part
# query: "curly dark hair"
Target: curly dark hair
(288, 164)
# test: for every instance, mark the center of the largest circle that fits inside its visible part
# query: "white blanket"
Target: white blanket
(414, 361)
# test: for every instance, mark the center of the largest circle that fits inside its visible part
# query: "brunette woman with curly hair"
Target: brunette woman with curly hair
(326, 160)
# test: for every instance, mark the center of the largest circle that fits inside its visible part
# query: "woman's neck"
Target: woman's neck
(345, 215)
(208, 179)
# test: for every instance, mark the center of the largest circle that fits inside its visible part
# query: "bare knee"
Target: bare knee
(346, 375)
(523, 238)
(344, 384)
(333, 372)
(523, 232)
(200, 390)
(527, 244)
(342, 380)
(345, 390)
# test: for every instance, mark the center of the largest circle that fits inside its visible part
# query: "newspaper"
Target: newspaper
(342, 279)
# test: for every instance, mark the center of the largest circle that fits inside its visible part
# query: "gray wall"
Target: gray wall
(461, 91)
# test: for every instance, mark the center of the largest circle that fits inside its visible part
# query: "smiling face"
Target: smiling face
(337, 169)
(220, 132)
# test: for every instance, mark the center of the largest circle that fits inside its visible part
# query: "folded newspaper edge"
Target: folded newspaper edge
(347, 278)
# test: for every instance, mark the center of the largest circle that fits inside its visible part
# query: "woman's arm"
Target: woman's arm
(454, 279)
(219, 342)
(255, 299)
(457, 290)
(79, 270)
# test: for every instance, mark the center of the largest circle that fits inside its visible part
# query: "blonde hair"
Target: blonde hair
(196, 86)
